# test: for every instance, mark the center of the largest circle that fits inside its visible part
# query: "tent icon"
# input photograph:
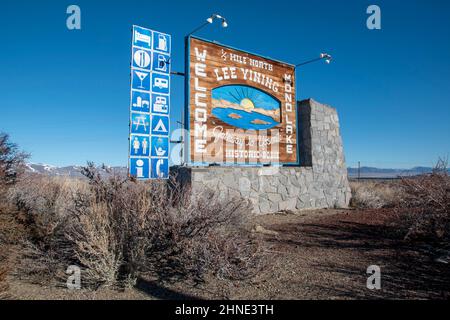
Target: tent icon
(160, 127)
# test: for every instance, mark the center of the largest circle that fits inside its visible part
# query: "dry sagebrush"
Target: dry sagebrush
(12, 163)
(116, 229)
(374, 195)
(428, 198)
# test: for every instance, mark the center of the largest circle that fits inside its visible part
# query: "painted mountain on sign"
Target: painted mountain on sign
(245, 107)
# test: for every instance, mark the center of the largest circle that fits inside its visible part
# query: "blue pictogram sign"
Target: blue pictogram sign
(149, 104)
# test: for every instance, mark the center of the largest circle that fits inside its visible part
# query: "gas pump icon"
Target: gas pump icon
(162, 43)
(162, 63)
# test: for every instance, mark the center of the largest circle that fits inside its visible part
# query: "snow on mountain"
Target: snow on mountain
(67, 171)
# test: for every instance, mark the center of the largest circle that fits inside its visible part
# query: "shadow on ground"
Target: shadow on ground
(158, 291)
(348, 243)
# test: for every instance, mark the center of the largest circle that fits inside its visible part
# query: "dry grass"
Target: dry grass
(374, 195)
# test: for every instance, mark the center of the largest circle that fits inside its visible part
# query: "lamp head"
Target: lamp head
(327, 57)
(224, 23)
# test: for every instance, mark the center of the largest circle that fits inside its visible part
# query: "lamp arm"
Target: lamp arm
(309, 61)
(197, 29)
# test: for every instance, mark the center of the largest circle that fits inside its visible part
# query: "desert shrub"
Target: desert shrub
(12, 161)
(428, 199)
(374, 195)
(202, 234)
(96, 240)
(167, 232)
(44, 204)
(117, 228)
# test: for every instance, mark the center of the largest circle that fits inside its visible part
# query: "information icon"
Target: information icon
(140, 168)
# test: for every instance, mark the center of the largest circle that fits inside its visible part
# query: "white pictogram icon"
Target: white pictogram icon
(160, 127)
(159, 163)
(160, 105)
(140, 121)
(160, 152)
(162, 43)
(140, 169)
(141, 76)
(140, 37)
(141, 59)
(162, 63)
(144, 146)
(161, 83)
(141, 103)
(136, 145)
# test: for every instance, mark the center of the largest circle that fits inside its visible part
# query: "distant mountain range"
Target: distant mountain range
(68, 171)
(370, 172)
(366, 172)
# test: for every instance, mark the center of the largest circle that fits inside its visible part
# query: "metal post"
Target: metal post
(359, 170)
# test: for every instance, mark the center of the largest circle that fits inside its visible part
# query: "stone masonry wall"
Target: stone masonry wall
(320, 182)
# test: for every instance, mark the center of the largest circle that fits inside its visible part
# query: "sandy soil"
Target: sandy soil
(319, 254)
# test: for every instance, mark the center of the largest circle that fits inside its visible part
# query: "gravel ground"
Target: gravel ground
(320, 254)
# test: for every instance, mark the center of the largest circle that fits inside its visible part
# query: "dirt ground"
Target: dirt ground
(320, 254)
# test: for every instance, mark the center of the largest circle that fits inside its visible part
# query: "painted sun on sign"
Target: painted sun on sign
(245, 107)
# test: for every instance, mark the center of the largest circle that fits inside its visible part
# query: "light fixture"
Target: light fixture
(322, 56)
(210, 20)
(218, 16)
(327, 57)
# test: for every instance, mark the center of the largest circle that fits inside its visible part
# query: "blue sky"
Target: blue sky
(64, 95)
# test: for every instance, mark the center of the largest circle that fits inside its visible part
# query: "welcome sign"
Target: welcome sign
(241, 107)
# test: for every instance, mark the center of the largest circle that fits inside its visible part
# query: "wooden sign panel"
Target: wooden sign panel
(241, 107)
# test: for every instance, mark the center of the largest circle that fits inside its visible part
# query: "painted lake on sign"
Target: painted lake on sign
(243, 119)
(245, 107)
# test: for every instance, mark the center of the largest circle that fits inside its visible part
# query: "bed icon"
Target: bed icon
(142, 37)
